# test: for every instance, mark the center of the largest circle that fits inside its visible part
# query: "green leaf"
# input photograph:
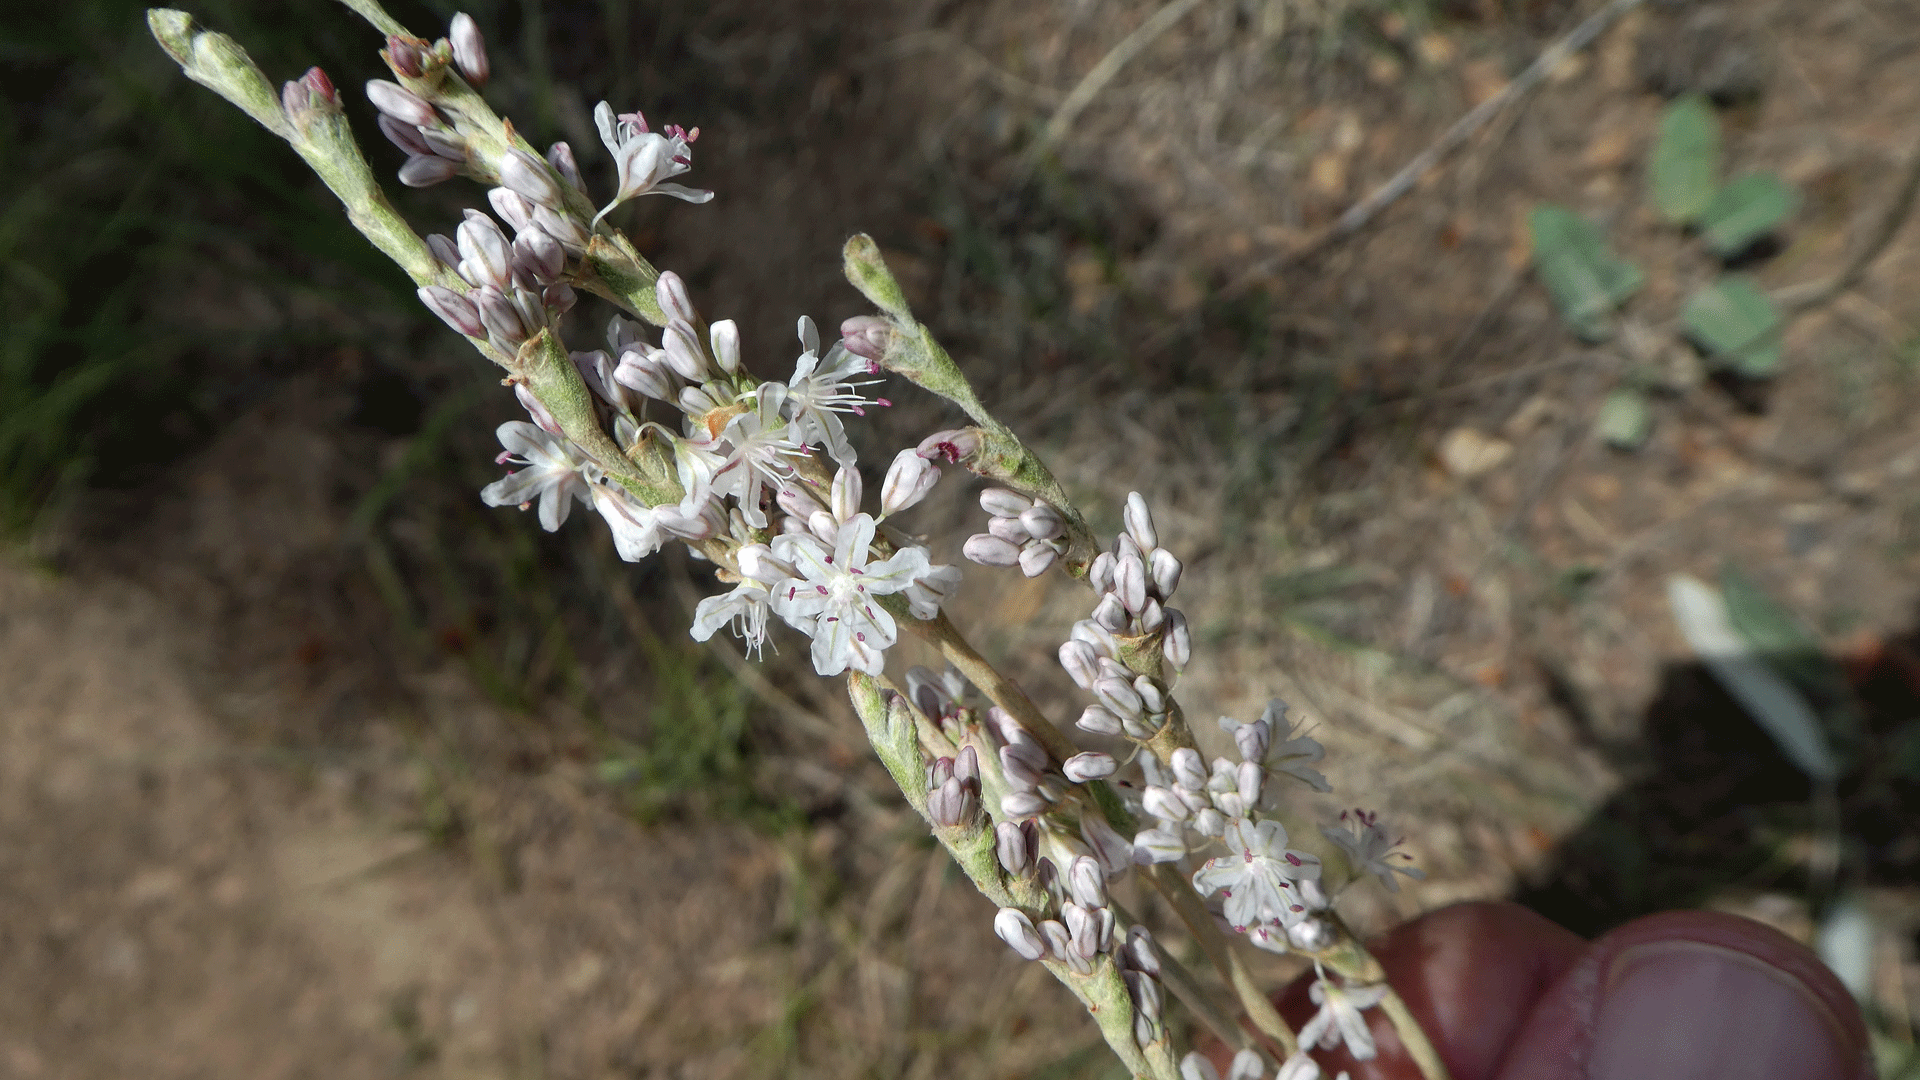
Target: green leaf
(1586, 281)
(1625, 419)
(1746, 210)
(1737, 325)
(1772, 701)
(1685, 169)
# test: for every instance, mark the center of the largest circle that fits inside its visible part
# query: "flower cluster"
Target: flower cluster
(669, 437)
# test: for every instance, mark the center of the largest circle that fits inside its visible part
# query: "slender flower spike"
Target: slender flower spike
(1367, 847)
(1255, 875)
(1339, 1018)
(646, 159)
(831, 598)
(552, 474)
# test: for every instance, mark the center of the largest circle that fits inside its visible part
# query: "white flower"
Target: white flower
(1339, 1018)
(746, 607)
(1254, 875)
(928, 591)
(1296, 756)
(645, 158)
(1368, 849)
(824, 386)
(1300, 1066)
(831, 598)
(637, 531)
(758, 444)
(552, 473)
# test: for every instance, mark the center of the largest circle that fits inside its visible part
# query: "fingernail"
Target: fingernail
(1682, 1009)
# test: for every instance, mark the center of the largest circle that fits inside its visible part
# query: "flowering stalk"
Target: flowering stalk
(670, 437)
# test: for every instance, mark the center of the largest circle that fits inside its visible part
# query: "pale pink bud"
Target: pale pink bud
(988, 550)
(485, 256)
(671, 292)
(1141, 954)
(1152, 617)
(1177, 642)
(866, 335)
(684, 354)
(1090, 765)
(1188, 770)
(1130, 582)
(908, 481)
(1119, 696)
(1020, 773)
(1100, 574)
(1140, 522)
(1017, 931)
(1164, 568)
(513, 207)
(469, 49)
(1080, 661)
(796, 501)
(1042, 521)
(1022, 804)
(404, 135)
(845, 495)
(420, 172)
(455, 310)
(1036, 557)
(643, 372)
(409, 56)
(446, 143)
(1098, 720)
(1003, 503)
(539, 254)
(1163, 804)
(822, 524)
(725, 338)
(560, 156)
(536, 410)
(530, 177)
(1008, 529)
(401, 103)
(1110, 613)
(444, 249)
(1087, 882)
(1014, 844)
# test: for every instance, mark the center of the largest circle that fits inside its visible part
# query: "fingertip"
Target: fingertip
(1693, 993)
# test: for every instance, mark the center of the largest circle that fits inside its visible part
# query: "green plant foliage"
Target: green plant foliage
(1587, 282)
(1745, 210)
(1737, 326)
(1685, 170)
(694, 754)
(1625, 419)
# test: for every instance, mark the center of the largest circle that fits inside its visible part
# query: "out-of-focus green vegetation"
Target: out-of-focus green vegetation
(132, 203)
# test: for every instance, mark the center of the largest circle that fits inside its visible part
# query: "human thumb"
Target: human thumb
(1689, 996)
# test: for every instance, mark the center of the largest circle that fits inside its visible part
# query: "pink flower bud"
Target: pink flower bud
(1017, 931)
(908, 481)
(1140, 522)
(1003, 503)
(989, 550)
(400, 103)
(455, 310)
(469, 49)
(674, 300)
(1043, 521)
(560, 156)
(427, 171)
(1036, 557)
(530, 177)
(867, 335)
(1091, 765)
(1099, 721)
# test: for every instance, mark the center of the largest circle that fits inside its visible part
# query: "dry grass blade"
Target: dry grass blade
(1102, 73)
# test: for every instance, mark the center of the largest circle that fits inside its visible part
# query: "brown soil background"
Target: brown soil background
(258, 825)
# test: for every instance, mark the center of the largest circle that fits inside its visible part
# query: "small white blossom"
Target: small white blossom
(831, 597)
(824, 386)
(747, 605)
(552, 473)
(1254, 875)
(1366, 846)
(646, 159)
(758, 444)
(1295, 755)
(637, 528)
(1339, 1018)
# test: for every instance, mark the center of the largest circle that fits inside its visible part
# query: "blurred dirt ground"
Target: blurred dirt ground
(313, 767)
